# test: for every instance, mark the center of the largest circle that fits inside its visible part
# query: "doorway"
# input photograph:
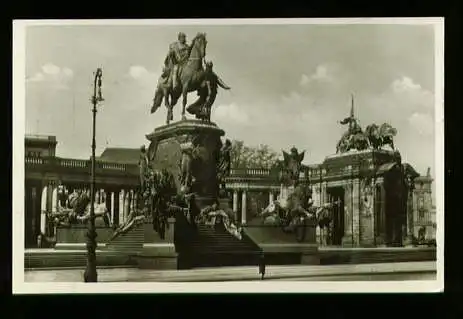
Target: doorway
(336, 194)
(32, 214)
(396, 200)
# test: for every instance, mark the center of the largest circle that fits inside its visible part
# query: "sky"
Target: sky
(290, 84)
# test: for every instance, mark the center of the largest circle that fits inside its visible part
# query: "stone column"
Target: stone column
(347, 239)
(356, 212)
(235, 201)
(116, 203)
(243, 208)
(270, 197)
(135, 200)
(409, 215)
(383, 229)
(43, 211)
(54, 199)
(121, 206)
(126, 205)
(113, 203)
(102, 196)
(132, 201)
(34, 213)
(97, 197)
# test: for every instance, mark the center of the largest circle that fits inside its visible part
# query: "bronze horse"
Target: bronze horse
(192, 77)
(380, 136)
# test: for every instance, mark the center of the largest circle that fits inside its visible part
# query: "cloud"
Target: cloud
(293, 97)
(38, 77)
(412, 96)
(231, 112)
(304, 80)
(144, 77)
(52, 75)
(422, 123)
(404, 84)
(321, 74)
(403, 98)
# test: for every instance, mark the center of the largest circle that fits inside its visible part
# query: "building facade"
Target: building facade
(365, 183)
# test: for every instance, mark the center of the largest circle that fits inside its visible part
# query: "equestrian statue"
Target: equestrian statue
(374, 137)
(184, 72)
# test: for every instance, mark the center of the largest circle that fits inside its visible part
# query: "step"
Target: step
(78, 259)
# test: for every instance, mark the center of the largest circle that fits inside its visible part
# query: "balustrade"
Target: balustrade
(73, 163)
(250, 172)
(80, 164)
(34, 160)
(133, 168)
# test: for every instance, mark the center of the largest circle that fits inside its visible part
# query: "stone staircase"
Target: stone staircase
(215, 247)
(130, 242)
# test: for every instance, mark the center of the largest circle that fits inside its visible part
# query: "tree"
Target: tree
(261, 156)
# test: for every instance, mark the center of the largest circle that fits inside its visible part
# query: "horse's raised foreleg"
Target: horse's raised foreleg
(184, 101)
(168, 105)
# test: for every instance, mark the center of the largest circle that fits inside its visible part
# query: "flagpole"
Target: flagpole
(351, 111)
(90, 274)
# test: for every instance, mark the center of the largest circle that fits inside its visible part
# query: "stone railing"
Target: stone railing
(250, 172)
(34, 161)
(53, 163)
(72, 164)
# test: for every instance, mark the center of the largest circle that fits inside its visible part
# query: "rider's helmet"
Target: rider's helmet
(181, 36)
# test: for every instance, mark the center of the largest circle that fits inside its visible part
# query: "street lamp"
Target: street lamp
(90, 274)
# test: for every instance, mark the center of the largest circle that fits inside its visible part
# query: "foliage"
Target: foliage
(243, 156)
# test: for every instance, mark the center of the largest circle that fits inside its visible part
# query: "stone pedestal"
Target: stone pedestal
(189, 150)
(355, 175)
(157, 253)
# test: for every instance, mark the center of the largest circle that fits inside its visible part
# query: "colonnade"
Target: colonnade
(241, 196)
(120, 203)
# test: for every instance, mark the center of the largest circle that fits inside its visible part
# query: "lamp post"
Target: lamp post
(90, 274)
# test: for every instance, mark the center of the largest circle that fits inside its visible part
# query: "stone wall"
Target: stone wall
(349, 230)
(78, 234)
(366, 227)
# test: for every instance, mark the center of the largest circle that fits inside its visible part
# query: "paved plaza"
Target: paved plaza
(363, 272)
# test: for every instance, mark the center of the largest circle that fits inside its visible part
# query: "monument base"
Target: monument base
(281, 248)
(157, 256)
(75, 237)
(190, 151)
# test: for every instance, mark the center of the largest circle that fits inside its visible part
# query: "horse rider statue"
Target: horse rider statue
(178, 52)
(354, 126)
(347, 140)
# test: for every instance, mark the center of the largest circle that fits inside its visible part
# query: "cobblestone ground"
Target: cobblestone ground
(364, 272)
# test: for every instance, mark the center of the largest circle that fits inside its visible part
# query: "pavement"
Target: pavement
(365, 272)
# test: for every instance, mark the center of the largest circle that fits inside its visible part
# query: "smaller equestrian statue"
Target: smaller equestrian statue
(183, 72)
(380, 136)
(353, 138)
(375, 137)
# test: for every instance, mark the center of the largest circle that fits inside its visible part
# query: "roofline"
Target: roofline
(40, 137)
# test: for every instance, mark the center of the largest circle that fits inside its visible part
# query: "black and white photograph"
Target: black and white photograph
(228, 155)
